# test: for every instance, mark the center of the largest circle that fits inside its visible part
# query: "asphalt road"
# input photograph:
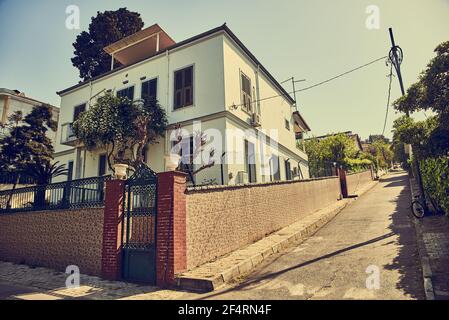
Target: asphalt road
(368, 251)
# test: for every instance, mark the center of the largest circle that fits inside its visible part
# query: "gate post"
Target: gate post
(343, 182)
(111, 251)
(171, 243)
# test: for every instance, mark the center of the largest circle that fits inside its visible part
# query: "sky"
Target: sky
(308, 39)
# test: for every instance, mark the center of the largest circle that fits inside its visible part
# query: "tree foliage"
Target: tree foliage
(121, 126)
(431, 92)
(26, 149)
(106, 28)
(336, 149)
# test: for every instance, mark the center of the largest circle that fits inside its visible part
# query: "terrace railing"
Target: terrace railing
(82, 193)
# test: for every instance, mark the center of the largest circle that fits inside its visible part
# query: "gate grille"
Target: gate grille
(139, 226)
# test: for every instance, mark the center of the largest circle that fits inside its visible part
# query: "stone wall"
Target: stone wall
(356, 181)
(223, 219)
(54, 239)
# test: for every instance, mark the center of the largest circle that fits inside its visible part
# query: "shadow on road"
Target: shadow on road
(406, 261)
(271, 275)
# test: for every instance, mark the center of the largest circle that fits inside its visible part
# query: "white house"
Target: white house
(211, 81)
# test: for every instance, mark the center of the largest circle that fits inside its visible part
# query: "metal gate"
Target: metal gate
(139, 227)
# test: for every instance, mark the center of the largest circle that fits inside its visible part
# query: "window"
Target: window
(78, 110)
(149, 90)
(274, 167)
(126, 93)
(246, 93)
(183, 88)
(287, 124)
(250, 161)
(288, 171)
(102, 165)
(70, 171)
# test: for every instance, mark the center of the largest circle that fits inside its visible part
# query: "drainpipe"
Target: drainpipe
(257, 90)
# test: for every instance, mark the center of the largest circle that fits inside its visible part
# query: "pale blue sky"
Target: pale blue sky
(306, 39)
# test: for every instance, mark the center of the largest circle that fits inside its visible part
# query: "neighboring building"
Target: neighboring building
(212, 78)
(14, 100)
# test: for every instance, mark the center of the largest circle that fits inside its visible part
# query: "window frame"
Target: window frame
(77, 106)
(148, 80)
(243, 94)
(126, 88)
(287, 124)
(250, 168)
(193, 88)
(105, 164)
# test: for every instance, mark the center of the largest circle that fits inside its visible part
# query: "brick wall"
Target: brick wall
(54, 239)
(223, 219)
(356, 181)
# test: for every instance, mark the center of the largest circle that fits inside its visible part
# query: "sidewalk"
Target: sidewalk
(433, 235)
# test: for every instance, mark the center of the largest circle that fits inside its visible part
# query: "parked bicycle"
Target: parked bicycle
(422, 207)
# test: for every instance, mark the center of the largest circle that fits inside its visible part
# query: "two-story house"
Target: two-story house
(210, 80)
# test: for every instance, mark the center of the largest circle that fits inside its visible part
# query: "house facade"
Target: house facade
(209, 83)
(12, 101)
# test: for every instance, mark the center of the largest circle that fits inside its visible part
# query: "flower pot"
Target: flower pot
(120, 171)
(172, 162)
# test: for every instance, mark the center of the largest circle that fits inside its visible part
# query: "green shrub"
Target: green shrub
(435, 176)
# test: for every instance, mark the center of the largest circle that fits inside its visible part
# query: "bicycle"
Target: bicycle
(421, 206)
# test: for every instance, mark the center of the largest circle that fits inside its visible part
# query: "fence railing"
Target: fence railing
(323, 170)
(9, 178)
(82, 193)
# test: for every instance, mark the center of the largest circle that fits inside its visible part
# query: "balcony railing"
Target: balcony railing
(67, 136)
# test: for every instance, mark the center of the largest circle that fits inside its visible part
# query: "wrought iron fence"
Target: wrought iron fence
(323, 169)
(82, 193)
(9, 178)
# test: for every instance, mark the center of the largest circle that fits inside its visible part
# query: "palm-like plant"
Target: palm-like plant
(43, 174)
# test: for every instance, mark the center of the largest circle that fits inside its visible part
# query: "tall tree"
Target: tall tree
(106, 28)
(27, 150)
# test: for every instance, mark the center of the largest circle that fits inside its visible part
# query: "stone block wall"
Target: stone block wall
(54, 239)
(223, 219)
(356, 181)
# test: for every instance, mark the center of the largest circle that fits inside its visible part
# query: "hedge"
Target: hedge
(435, 176)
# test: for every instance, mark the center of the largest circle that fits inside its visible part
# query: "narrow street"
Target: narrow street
(374, 232)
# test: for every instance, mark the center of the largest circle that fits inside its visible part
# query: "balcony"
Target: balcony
(68, 138)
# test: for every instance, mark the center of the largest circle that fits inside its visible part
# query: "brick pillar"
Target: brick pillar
(112, 228)
(171, 247)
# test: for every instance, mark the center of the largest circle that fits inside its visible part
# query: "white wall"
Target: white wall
(207, 59)
(274, 111)
(217, 65)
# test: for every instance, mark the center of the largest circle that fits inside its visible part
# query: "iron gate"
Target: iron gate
(139, 227)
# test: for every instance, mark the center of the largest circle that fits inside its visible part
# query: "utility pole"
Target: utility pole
(396, 57)
(292, 79)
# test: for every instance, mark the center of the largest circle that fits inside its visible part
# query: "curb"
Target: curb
(423, 257)
(243, 268)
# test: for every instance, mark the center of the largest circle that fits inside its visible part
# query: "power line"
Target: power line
(389, 97)
(342, 74)
(315, 85)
